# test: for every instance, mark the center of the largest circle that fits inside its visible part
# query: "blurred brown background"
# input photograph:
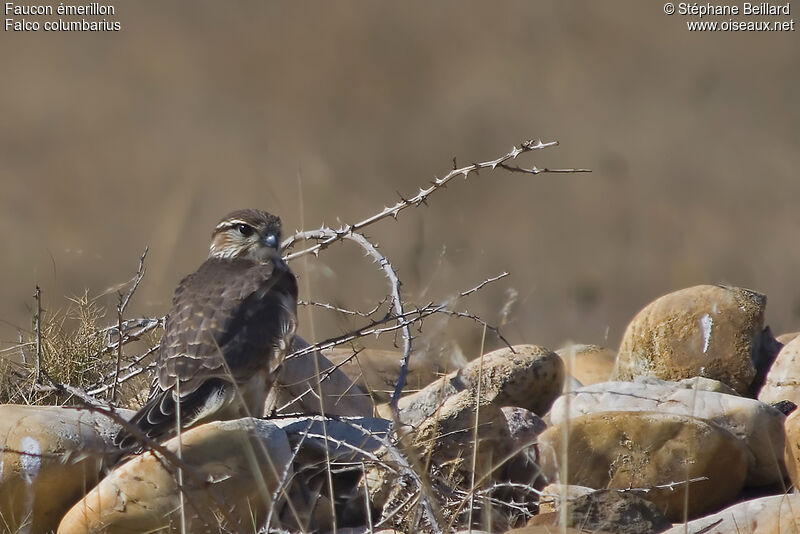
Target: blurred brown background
(321, 112)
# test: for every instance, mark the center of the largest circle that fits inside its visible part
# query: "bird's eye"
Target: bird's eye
(245, 229)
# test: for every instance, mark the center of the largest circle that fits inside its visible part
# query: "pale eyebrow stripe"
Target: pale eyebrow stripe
(231, 223)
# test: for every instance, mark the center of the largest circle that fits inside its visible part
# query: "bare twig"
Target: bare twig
(57, 387)
(144, 325)
(121, 305)
(135, 281)
(339, 309)
(51, 455)
(709, 527)
(136, 372)
(367, 506)
(130, 365)
(485, 282)
(120, 308)
(536, 170)
(38, 328)
(494, 329)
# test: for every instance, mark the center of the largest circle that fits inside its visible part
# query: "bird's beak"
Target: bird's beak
(270, 240)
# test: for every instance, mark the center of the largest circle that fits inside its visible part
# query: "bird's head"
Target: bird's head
(251, 234)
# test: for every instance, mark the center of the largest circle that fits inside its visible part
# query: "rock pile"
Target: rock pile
(674, 427)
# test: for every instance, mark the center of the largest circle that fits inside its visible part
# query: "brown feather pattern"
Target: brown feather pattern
(228, 330)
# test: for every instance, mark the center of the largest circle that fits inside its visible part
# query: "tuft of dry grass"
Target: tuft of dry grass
(71, 346)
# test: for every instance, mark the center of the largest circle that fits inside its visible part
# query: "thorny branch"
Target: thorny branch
(123, 303)
(375, 327)
(422, 196)
(409, 318)
(326, 236)
(396, 302)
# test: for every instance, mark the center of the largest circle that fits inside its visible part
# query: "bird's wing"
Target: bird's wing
(229, 320)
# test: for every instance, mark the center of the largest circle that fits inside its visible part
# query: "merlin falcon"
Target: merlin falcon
(230, 326)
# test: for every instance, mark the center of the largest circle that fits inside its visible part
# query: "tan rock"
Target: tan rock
(776, 514)
(50, 455)
(445, 439)
(621, 512)
(622, 450)
(792, 449)
(784, 339)
(783, 378)
(413, 409)
(759, 426)
(297, 389)
(383, 410)
(553, 495)
(589, 364)
(232, 467)
(704, 330)
(531, 377)
(700, 383)
(449, 435)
